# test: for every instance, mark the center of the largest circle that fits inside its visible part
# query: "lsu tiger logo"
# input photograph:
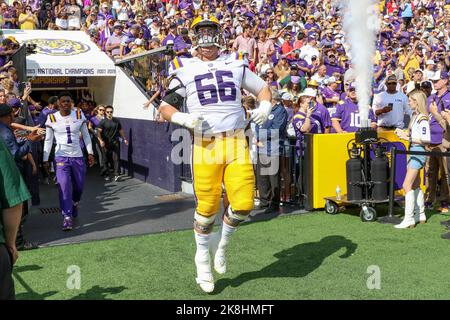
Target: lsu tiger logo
(58, 47)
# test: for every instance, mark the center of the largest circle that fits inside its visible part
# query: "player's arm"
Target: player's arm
(48, 143)
(172, 102)
(258, 87)
(88, 142)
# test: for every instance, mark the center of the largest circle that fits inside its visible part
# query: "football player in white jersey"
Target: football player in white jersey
(208, 90)
(65, 126)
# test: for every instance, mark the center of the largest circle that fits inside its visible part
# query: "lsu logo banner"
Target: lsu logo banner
(58, 47)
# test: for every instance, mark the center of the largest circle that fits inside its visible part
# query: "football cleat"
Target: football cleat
(67, 223)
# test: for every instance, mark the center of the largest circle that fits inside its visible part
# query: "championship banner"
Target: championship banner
(63, 54)
(59, 82)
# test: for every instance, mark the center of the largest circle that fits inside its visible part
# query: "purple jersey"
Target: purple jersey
(320, 120)
(443, 102)
(348, 114)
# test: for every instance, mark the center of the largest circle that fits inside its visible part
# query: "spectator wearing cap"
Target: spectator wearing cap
(128, 39)
(436, 166)
(246, 43)
(332, 65)
(270, 141)
(183, 44)
(309, 50)
(346, 117)
(329, 92)
(391, 106)
(311, 24)
(113, 43)
(311, 117)
(105, 12)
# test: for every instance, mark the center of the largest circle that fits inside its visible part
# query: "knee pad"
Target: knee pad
(235, 217)
(204, 224)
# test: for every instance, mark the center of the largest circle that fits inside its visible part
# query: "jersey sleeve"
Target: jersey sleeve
(337, 114)
(298, 122)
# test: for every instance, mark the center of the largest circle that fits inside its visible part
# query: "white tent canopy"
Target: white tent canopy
(63, 54)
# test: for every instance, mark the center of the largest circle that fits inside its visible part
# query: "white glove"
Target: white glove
(188, 120)
(260, 115)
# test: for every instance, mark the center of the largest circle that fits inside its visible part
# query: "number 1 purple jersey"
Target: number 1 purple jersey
(348, 114)
(213, 89)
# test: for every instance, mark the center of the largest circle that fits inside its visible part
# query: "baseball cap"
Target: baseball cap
(333, 80)
(286, 96)
(351, 85)
(430, 62)
(117, 25)
(5, 110)
(391, 78)
(309, 92)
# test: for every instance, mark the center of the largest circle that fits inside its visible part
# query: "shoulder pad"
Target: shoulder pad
(238, 59)
(176, 64)
(422, 118)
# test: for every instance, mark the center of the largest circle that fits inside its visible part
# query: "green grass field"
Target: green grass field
(312, 256)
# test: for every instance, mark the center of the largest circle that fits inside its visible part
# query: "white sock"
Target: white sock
(227, 232)
(202, 241)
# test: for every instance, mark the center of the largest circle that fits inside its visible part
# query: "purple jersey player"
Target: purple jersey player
(65, 126)
(346, 117)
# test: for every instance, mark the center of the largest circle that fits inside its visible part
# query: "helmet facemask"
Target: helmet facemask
(207, 36)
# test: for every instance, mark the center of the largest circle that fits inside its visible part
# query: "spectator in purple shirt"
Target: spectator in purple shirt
(172, 34)
(346, 118)
(182, 44)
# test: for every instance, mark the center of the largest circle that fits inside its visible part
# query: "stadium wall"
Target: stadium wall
(147, 157)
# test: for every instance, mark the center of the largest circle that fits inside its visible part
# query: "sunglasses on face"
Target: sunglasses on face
(102, 110)
(109, 112)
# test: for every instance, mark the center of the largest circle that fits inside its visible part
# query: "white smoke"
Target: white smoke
(360, 26)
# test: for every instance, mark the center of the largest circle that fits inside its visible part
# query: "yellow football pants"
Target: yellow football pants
(222, 159)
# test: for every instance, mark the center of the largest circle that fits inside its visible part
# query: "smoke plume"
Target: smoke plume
(360, 26)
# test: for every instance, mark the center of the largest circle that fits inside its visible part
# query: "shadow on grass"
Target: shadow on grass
(30, 294)
(99, 293)
(295, 262)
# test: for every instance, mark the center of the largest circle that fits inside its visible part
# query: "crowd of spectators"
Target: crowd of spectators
(298, 47)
